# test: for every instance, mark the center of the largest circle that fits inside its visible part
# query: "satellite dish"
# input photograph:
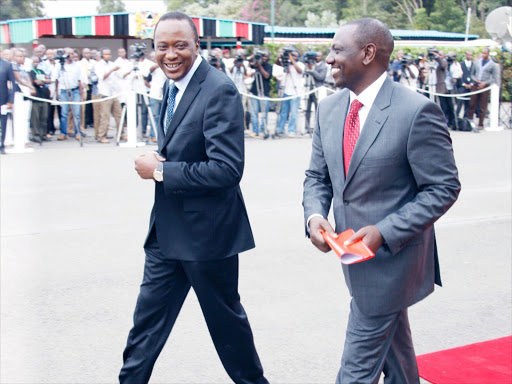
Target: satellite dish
(499, 24)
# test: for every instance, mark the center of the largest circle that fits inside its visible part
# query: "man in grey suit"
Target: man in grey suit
(485, 72)
(400, 178)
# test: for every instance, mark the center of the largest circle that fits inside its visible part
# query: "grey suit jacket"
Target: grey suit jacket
(490, 73)
(402, 178)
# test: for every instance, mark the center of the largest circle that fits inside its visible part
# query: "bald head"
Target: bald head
(373, 31)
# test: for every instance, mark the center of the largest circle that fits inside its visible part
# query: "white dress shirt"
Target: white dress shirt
(183, 83)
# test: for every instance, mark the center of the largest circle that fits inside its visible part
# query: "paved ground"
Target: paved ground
(73, 221)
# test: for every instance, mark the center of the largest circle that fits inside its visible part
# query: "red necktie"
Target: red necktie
(351, 133)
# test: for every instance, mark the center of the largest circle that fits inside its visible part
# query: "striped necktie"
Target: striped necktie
(170, 106)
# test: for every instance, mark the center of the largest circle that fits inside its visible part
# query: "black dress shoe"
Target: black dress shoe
(2, 151)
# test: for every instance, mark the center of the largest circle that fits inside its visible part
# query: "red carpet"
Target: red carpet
(489, 362)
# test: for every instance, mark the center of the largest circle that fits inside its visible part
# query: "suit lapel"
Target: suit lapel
(374, 122)
(339, 116)
(193, 88)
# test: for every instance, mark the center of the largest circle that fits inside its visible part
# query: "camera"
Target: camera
(309, 57)
(212, 60)
(137, 51)
(61, 56)
(285, 57)
(431, 53)
(406, 61)
(239, 59)
(256, 57)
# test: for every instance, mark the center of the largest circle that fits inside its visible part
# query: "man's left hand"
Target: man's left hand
(146, 164)
(370, 235)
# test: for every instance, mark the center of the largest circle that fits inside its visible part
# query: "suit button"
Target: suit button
(345, 202)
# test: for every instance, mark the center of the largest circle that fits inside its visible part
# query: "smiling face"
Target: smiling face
(345, 58)
(176, 48)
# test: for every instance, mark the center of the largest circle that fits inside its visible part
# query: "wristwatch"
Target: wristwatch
(158, 173)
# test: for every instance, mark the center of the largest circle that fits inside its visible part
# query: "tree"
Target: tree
(256, 10)
(409, 8)
(326, 20)
(108, 6)
(447, 16)
(421, 20)
(20, 9)
(223, 9)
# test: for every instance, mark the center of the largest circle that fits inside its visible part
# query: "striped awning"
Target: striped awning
(139, 24)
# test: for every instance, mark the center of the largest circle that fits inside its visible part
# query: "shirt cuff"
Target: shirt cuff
(310, 217)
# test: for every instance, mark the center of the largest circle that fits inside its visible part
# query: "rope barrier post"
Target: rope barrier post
(20, 125)
(494, 109)
(131, 122)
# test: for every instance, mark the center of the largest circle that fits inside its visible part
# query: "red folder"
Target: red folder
(348, 254)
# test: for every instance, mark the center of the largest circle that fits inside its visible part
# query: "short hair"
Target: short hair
(370, 30)
(175, 15)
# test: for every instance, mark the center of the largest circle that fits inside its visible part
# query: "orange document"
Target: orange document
(349, 254)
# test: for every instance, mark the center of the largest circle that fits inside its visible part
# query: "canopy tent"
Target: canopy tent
(126, 25)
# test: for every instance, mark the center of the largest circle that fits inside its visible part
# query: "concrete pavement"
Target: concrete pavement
(72, 225)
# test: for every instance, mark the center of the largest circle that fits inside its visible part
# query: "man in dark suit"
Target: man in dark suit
(467, 65)
(6, 98)
(379, 171)
(199, 223)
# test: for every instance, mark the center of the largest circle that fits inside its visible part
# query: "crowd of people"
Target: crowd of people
(437, 73)
(69, 75)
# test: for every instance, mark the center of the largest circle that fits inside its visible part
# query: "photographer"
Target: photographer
(216, 60)
(290, 84)
(316, 71)
(239, 72)
(260, 87)
(410, 73)
(142, 68)
(453, 80)
(68, 87)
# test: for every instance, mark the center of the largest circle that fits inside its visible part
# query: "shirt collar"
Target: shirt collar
(183, 83)
(367, 97)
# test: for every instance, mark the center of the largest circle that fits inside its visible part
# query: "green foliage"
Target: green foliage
(447, 16)
(20, 9)
(421, 20)
(505, 61)
(110, 6)
(326, 20)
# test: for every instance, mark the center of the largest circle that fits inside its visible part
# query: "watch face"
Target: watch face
(158, 176)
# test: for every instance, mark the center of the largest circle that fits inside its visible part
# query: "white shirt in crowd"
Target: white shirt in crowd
(124, 83)
(292, 82)
(157, 83)
(406, 78)
(69, 76)
(141, 69)
(108, 86)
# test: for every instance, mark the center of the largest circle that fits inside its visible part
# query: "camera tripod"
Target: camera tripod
(258, 78)
(310, 99)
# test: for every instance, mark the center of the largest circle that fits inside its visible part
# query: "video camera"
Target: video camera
(239, 59)
(406, 61)
(61, 56)
(431, 53)
(285, 57)
(256, 57)
(213, 60)
(137, 51)
(309, 57)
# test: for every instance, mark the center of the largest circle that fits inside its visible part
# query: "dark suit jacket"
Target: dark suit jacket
(199, 212)
(6, 75)
(402, 178)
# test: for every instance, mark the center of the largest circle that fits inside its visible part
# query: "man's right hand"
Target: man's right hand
(316, 226)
